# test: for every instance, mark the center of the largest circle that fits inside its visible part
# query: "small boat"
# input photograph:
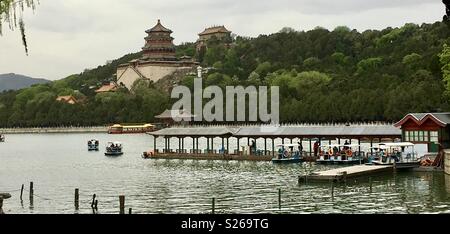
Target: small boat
(400, 153)
(93, 145)
(288, 153)
(2, 138)
(114, 149)
(339, 154)
(148, 154)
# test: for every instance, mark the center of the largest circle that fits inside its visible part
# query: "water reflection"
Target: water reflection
(177, 186)
(447, 183)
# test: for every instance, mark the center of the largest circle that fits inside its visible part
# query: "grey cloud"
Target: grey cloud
(66, 36)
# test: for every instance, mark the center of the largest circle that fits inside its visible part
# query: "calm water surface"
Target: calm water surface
(59, 163)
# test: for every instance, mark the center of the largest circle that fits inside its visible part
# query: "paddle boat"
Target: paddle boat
(400, 153)
(339, 154)
(2, 138)
(373, 154)
(148, 154)
(114, 149)
(93, 145)
(288, 153)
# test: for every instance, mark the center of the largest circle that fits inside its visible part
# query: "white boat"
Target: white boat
(2, 138)
(93, 145)
(400, 153)
(288, 153)
(340, 154)
(113, 149)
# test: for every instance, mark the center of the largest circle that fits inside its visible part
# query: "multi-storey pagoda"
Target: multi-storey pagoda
(159, 44)
(158, 60)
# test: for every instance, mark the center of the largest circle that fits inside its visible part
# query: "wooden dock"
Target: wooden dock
(344, 173)
(224, 157)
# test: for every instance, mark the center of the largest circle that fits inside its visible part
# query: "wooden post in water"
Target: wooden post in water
(370, 184)
(279, 199)
(93, 201)
(130, 211)
(344, 176)
(21, 192)
(213, 206)
(332, 189)
(122, 204)
(31, 190)
(77, 196)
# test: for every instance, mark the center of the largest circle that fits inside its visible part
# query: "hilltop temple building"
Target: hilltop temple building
(217, 32)
(158, 59)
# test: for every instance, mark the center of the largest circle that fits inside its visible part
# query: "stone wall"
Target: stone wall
(129, 75)
(447, 162)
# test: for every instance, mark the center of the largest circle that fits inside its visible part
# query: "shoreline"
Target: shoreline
(98, 129)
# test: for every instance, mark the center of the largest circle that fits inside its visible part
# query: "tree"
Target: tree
(8, 14)
(444, 58)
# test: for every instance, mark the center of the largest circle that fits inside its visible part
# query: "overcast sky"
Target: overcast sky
(67, 36)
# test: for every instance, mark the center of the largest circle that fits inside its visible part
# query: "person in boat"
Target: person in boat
(281, 152)
(300, 148)
(316, 148)
(253, 147)
(396, 156)
(335, 150)
(346, 145)
(330, 151)
(349, 152)
(382, 155)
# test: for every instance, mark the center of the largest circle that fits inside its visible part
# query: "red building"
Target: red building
(426, 129)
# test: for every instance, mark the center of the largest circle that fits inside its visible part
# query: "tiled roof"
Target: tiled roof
(66, 98)
(159, 28)
(287, 131)
(107, 88)
(212, 30)
(441, 118)
(170, 114)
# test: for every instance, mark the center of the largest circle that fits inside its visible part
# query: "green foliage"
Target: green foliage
(444, 58)
(9, 15)
(369, 65)
(324, 76)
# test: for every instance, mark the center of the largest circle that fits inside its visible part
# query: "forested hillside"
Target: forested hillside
(324, 76)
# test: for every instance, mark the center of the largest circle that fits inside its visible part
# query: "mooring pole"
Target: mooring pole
(122, 204)
(31, 190)
(130, 211)
(77, 196)
(332, 189)
(279, 199)
(213, 206)
(21, 192)
(93, 201)
(370, 184)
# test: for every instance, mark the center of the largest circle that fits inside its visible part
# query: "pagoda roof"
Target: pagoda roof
(212, 30)
(159, 28)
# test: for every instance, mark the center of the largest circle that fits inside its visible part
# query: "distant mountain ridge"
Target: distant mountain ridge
(11, 81)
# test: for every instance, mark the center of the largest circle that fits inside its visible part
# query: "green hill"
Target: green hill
(324, 76)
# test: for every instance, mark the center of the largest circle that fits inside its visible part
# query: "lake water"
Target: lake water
(59, 163)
